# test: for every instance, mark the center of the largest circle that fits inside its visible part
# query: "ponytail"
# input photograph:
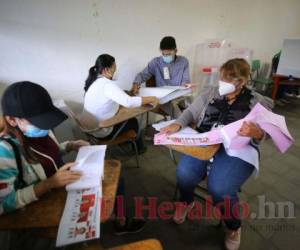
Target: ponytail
(91, 78)
(103, 61)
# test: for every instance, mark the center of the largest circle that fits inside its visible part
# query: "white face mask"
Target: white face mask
(226, 88)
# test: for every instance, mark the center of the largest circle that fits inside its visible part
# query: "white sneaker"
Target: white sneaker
(232, 239)
(181, 212)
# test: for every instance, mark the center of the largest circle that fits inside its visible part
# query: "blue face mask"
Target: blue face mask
(34, 132)
(168, 59)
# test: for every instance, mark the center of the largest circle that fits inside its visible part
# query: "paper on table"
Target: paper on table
(166, 93)
(174, 87)
(164, 139)
(189, 139)
(186, 130)
(90, 161)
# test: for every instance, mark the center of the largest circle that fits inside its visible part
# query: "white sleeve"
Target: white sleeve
(114, 92)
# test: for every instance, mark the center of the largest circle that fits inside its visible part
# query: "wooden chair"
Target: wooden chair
(118, 138)
(150, 244)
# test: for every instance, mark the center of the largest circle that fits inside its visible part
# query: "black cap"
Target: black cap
(32, 102)
(168, 43)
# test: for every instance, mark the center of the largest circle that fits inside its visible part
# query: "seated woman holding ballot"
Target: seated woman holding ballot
(219, 106)
(31, 161)
(30, 157)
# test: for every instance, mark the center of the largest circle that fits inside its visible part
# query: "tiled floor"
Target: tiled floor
(278, 181)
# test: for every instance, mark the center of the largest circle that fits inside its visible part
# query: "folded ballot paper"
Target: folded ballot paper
(89, 161)
(165, 93)
(274, 125)
(81, 216)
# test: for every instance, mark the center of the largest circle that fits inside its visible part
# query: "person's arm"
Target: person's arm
(115, 93)
(186, 74)
(68, 146)
(193, 114)
(61, 178)
(10, 197)
(146, 74)
(188, 116)
(253, 131)
(118, 95)
(75, 145)
(143, 76)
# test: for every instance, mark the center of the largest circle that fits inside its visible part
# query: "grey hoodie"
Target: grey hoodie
(196, 111)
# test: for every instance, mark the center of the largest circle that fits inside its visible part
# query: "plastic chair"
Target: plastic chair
(259, 83)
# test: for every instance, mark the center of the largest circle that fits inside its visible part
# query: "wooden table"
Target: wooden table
(283, 80)
(150, 244)
(125, 114)
(202, 153)
(47, 211)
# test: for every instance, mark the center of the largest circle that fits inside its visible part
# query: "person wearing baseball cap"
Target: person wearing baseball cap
(30, 157)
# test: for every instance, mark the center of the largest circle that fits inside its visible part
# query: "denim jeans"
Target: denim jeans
(226, 176)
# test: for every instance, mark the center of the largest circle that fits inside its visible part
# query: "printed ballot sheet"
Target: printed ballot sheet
(81, 216)
(165, 93)
(186, 136)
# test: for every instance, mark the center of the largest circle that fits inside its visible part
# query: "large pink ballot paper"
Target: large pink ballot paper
(274, 125)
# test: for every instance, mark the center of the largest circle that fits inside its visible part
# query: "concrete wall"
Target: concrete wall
(54, 42)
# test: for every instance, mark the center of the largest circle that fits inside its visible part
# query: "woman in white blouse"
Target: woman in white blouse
(103, 98)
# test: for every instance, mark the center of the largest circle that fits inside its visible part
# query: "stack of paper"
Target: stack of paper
(274, 125)
(166, 93)
(81, 216)
(89, 161)
(186, 136)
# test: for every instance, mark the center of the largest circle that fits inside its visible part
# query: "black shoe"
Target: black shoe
(131, 226)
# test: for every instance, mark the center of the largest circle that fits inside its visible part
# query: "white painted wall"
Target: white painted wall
(54, 42)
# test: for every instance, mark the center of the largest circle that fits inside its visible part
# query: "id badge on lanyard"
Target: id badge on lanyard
(166, 73)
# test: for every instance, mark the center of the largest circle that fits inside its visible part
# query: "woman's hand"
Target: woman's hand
(61, 178)
(190, 85)
(150, 100)
(172, 128)
(64, 176)
(135, 89)
(252, 130)
(75, 145)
